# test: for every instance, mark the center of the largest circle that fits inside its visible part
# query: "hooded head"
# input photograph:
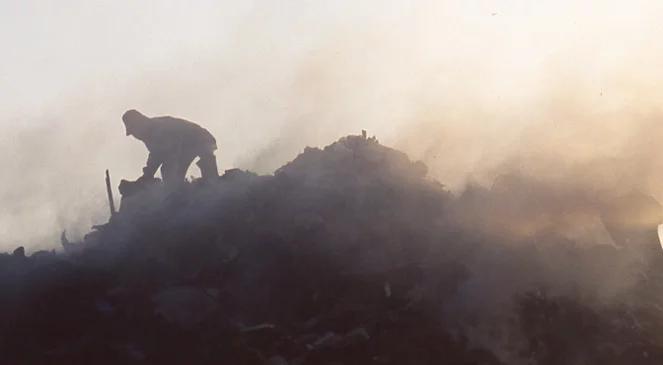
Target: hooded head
(135, 123)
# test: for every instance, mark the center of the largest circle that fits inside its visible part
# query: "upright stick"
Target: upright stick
(109, 191)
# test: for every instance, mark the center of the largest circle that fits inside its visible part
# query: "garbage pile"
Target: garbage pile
(346, 255)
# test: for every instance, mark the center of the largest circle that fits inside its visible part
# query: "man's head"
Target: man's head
(135, 123)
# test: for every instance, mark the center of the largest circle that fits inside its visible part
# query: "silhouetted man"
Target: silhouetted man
(173, 144)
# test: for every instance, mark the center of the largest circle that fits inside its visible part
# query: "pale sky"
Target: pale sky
(270, 77)
(52, 48)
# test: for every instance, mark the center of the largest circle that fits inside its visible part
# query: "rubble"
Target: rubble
(346, 255)
(19, 252)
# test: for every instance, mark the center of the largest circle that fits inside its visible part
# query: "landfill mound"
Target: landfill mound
(346, 255)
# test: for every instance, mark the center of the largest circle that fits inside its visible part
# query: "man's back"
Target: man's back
(169, 134)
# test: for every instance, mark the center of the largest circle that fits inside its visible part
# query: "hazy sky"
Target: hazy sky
(463, 85)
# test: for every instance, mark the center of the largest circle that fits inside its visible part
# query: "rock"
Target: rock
(19, 252)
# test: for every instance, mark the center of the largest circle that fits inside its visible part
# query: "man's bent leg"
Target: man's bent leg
(174, 169)
(207, 165)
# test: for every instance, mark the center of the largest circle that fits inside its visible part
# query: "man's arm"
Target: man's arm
(153, 163)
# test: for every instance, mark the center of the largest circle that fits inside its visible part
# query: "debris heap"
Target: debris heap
(346, 255)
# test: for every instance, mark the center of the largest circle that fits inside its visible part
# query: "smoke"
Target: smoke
(561, 94)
